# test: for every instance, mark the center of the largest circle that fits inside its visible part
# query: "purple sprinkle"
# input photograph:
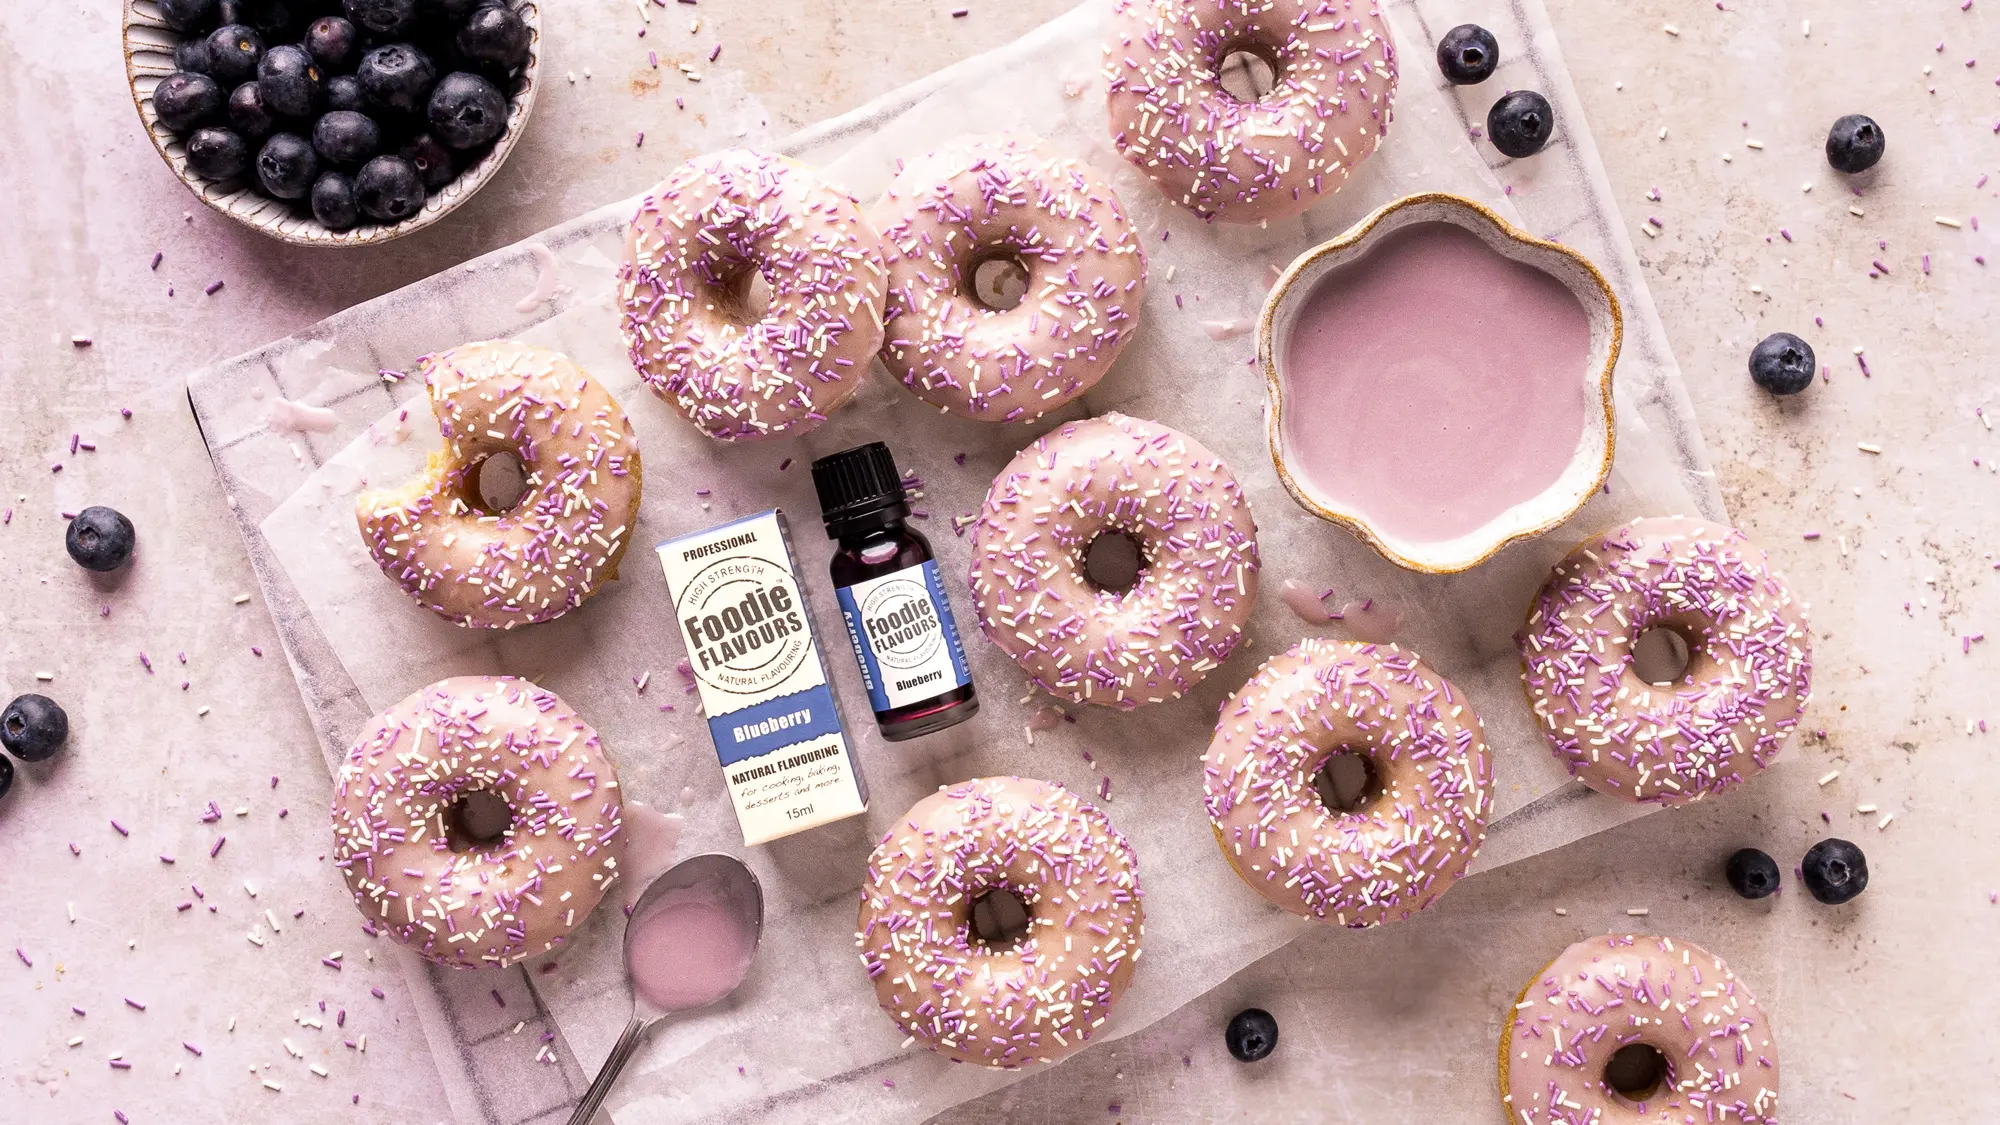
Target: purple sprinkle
(191, 1048)
(122, 830)
(158, 257)
(120, 1064)
(255, 651)
(120, 1115)
(214, 287)
(131, 1003)
(23, 955)
(498, 999)
(219, 841)
(167, 859)
(376, 993)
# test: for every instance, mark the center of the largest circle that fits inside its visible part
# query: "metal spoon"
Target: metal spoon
(740, 894)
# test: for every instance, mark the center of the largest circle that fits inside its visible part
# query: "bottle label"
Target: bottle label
(904, 637)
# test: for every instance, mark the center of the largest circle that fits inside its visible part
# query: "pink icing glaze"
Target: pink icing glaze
(1434, 384)
(689, 949)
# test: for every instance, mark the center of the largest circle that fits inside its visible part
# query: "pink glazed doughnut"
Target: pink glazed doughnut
(693, 249)
(1711, 1057)
(413, 862)
(984, 198)
(1077, 881)
(1197, 547)
(1749, 672)
(1239, 161)
(1420, 821)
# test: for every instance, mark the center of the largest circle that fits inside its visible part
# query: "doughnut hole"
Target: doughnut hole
(1000, 920)
(1664, 653)
(495, 483)
(479, 818)
(734, 289)
(1114, 561)
(1347, 782)
(1248, 69)
(1638, 1071)
(996, 279)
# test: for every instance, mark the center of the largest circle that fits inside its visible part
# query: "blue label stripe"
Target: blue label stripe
(774, 724)
(959, 668)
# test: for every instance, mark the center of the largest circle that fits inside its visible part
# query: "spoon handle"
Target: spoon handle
(607, 1075)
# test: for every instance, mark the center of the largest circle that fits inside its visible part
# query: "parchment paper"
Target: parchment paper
(803, 1040)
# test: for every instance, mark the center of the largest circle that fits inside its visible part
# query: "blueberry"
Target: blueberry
(191, 55)
(333, 201)
(217, 154)
(397, 77)
(1854, 143)
(186, 15)
(249, 115)
(495, 35)
(466, 111)
(389, 189)
(332, 42)
(345, 138)
(1752, 873)
(1467, 54)
(33, 728)
(100, 539)
(382, 17)
(233, 51)
(1520, 123)
(278, 19)
(1783, 364)
(185, 100)
(286, 166)
(343, 91)
(1835, 871)
(431, 159)
(1252, 1035)
(6, 774)
(291, 81)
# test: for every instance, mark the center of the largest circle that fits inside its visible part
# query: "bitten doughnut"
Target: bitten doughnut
(1692, 1044)
(1749, 671)
(411, 850)
(693, 249)
(1420, 820)
(561, 541)
(1003, 197)
(1040, 998)
(1198, 556)
(1237, 161)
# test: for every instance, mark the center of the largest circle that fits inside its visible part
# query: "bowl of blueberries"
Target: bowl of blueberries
(333, 122)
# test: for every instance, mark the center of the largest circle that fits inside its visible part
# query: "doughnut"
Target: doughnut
(1198, 555)
(1002, 197)
(1237, 161)
(1711, 1054)
(412, 859)
(1420, 820)
(1748, 677)
(946, 986)
(561, 542)
(693, 250)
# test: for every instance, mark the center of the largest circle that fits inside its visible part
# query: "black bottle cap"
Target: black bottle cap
(857, 484)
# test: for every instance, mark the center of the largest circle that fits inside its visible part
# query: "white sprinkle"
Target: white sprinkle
(291, 1050)
(45, 677)
(76, 1041)
(239, 599)
(71, 907)
(254, 939)
(317, 1069)
(1867, 447)
(1865, 809)
(1948, 221)
(1805, 187)
(201, 712)
(1638, 912)
(1663, 132)
(1728, 159)
(1855, 211)
(232, 1023)
(1827, 777)
(270, 1085)
(248, 887)
(1670, 29)
(1884, 822)
(1757, 289)
(1561, 913)
(1805, 28)
(1759, 145)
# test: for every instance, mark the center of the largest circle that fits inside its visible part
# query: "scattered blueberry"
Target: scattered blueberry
(1467, 54)
(217, 154)
(495, 35)
(343, 91)
(185, 101)
(389, 189)
(1752, 873)
(383, 17)
(1835, 871)
(191, 55)
(333, 201)
(331, 41)
(397, 77)
(287, 166)
(1855, 143)
(100, 538)
(1521, 123)
(345, 138)
(249, 115)
(6, 774)
(186, 15)
(233, 52)
(290, 81)
(1252, 1035)
(33, 728)
(466, 111)
(431, 159)
(1783, 364)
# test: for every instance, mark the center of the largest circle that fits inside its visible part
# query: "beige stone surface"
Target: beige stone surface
(1884, 1007)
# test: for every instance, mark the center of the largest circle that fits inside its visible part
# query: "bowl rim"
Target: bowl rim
(308, 231)
(1355, 236)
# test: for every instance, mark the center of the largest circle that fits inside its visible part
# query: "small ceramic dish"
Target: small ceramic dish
(1518, 478)
(149, 57)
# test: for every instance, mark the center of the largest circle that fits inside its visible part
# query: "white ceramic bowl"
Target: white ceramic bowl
(149, 57)
(1588, 466)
